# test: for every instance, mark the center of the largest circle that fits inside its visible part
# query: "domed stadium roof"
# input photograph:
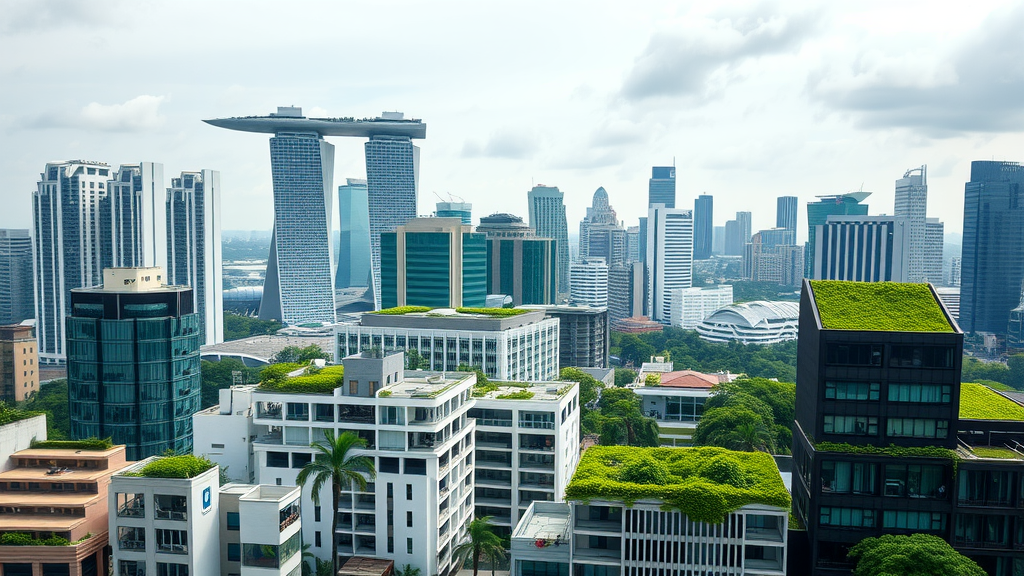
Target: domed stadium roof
(757, 313)
(758, 322)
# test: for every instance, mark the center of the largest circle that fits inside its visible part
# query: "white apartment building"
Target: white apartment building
(669, 257)
(526, 448)
(225, 433)
(523, 347)
(420, 435)
(165, 526)
(260, 530)
(692, 305)
(588, 281)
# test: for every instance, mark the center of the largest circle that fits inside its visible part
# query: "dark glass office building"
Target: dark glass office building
(519, 264)
(785, 215)
(16, 302)
(133, 362)
(662, 186)
(879, 443)
(992, 266)
(703, 227)
(818, 212)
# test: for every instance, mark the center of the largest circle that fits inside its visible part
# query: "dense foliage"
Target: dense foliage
(182, 466)
(844, 305)
(703, 483)
(616, 418)
(891, 450)
(399, 310)
(301, 355)
(220, 375)
(980, 403)
(52, 400)
(689, 352)
(87, 444)
(313, 380)
(10, 414)
(624, 376)
(749, 414)
(493, 312)
(237, 326)
(913, 555)
(517, 395)
(23, 539)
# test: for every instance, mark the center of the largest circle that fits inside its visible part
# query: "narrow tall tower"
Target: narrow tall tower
(912, 205)
(194, 246)
(785, 215)
(669, 257)
(392, 182)
(547, 218)
(136, 210)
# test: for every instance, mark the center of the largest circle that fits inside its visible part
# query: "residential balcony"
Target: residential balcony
(599, 526)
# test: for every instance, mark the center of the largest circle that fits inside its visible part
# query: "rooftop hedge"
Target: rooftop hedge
(87, 444)
(9, 414)
(891, 450)
(314, 381)
(399, 310)
(704, 483)
(183, 466)
(493, 312)
(517, 395)
(978, 402)
(878, 306)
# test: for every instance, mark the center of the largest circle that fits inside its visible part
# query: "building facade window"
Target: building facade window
(917, 428)
(920, 393)
(852, 390)
(850, 425)
(847, 517)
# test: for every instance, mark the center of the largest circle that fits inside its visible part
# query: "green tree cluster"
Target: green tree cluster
(52, 400)
(689, 352)
(294, 354)
(237, 326)
(1010, 374)
(617, 417)
(624, 376)
(913, 555)
(220, 374)
(483, 543)
(749, 414)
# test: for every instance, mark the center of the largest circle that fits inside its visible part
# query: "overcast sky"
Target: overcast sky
(751, 100)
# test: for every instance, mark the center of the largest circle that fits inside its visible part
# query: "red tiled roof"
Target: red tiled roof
(689, 379)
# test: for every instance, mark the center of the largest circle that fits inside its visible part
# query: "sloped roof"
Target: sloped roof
(689, 379)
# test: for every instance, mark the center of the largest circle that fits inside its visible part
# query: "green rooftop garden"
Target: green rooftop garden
(704, 483)
(9, 414)
(978, 402)
(399, 310)
(87, 444)
(995, 452)
(492, 312)
(313, 380)
(878, 306)
(183, 466)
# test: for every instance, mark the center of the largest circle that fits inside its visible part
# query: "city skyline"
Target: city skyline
(623, 109)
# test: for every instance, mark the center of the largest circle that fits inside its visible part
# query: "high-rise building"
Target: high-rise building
(626, 298)
(955, 270)
(194, 246)
(768, 257)
(583, 336)
(633, 244)
(601, 235)
(848, 204)
(133, 362)
(785, 215)
(460, 210)
(436, 262)
(733, 238)
(746, 230)
(934, 238)
(861, 248)
(992, 269)
(703, 226)
(912, 205)
(662, 187)
(547, 218)
(519, 264)
(137, 209)
(67, 244)
(588, 278)
(354, 250)
(19, 364)
(642, 238)
(718, 241)
(670, 262)
(690, 306)
(299, 287)
(16, 302)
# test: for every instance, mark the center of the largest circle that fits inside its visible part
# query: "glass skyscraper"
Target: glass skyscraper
(436, 262)
(991, 267)
(785, 215)
(136, 211)
(15, 276)
(519, 264)
(669, 257)
(299, 287)
(547, 218)
(194, 246)
(133, 362)
(461, 210)
(662, 187)
(703, 226)
(818, 212)
(354, 250)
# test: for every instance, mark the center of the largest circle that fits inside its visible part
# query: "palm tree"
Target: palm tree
(336, 463)
(482, 542)
(751, 437)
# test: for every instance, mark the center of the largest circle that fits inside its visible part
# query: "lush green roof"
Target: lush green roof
(704, 483)
(87, 444)
(313, 381)
(9, 414)
(878, 306)
(492, 312)
(995, 452)
(979, 402)
(183, 466)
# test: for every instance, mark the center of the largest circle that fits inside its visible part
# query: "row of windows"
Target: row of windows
(895, 392)
(899, 480)
(895, 427)
(899, 356)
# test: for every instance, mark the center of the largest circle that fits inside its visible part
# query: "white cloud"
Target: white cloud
(140, 114)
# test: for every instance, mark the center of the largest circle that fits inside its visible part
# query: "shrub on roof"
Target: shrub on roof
(313, 381)
(605, 473)
(399, 310)
(878, 306)
(183, 466)
(493, 312)
(517, 395)
(87, 444)
(978, 402)
(9, 414)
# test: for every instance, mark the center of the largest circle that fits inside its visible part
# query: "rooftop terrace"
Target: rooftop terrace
(979, 402)
(498, 390)
(878, 306)
(429, 387)
(450, 312)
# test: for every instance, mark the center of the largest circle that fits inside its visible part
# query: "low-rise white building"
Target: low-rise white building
(758, 322)
(691, 305)
(527, 447)
(228, 438)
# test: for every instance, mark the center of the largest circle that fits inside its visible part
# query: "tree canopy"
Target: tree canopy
(52, 399)
(220, 374)
(294, 354)
(617, 418)
(237, 326)
(749, 414)
(913, 555)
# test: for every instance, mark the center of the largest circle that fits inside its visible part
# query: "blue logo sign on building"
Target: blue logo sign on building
(207, 499)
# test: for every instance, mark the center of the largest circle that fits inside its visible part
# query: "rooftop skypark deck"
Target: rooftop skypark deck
(878, 306)
(290, 119)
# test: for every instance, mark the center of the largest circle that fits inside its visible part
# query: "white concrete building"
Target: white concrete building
(526, 448)
(669, 257)
(758, 322)
(19, 435)
(692, 305)
(225, 433)
(165, 526)
(260, 530)
(523, 347)
(588, 281)
(420, 435)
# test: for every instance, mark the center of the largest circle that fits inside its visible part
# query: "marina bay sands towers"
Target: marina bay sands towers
(299, 286)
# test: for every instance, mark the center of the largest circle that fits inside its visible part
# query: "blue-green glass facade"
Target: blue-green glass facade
(427, 267)
(133, 369)
(523, 268)
(474, 269)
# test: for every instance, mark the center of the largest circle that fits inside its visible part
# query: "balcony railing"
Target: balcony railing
(537, 424)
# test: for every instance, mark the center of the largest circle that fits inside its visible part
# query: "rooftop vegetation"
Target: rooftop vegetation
(492, 312)
(979, 402)
(995, 452)
(878, 306)
(400, 310)
(313, 380)
(892, 450)
(9, 414)
(183, 466)
(517, 395)
(706, 484)
(23, 539)
(87, 444)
